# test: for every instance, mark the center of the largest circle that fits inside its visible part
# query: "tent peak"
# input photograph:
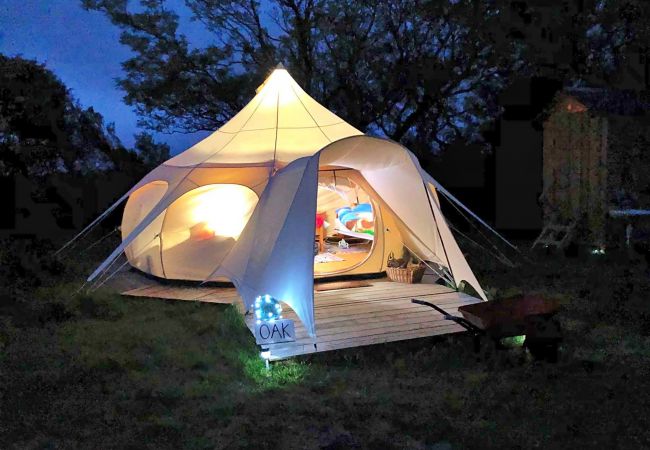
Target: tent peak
(274, 74)
(281, 123)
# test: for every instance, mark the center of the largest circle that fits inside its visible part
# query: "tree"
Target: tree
(54, 152)
(578, 40)
(151, 153)
(43, 130)
(421, 72)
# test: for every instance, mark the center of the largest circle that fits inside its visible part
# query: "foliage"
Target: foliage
(42, 129)
(629, 140)
(54, 152)
(615, 30)
(414, 71)
(421, 72)
(151, 153)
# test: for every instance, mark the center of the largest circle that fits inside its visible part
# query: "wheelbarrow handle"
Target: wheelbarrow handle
(431, 305)
(459, 320)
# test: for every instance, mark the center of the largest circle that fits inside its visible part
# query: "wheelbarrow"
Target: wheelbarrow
(531, 316)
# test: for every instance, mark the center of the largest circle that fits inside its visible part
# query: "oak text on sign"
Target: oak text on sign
(276, 331)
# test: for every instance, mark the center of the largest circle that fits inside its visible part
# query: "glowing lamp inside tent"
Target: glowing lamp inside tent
(221, 210)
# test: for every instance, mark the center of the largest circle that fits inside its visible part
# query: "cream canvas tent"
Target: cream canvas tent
(242, 204)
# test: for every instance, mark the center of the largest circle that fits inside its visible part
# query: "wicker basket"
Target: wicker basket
(410, 274)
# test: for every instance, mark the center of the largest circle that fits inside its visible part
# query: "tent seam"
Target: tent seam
(277, 126)
(252, 113)
(280, 128)
(312, 117)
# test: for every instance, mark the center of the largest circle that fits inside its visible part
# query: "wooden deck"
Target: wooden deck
(376, 314)
(346, 318)
(197, 294)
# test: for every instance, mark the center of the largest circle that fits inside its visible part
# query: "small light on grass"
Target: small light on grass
(266, 355)
(598, 251)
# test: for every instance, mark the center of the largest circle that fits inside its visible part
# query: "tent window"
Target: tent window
(144, 251)
(201, 227)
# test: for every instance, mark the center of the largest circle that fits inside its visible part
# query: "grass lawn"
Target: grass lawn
(103, 371)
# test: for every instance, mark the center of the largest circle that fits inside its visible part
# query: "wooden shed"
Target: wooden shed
(596, 159)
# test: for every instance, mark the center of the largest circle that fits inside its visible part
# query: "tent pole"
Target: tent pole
(507, 262)
(99, 282)
(102, 273)
(426, 191)
(92, 224)
(99, 240)
(450, 196)
(111, 275)
(482, 235)
(443, 275)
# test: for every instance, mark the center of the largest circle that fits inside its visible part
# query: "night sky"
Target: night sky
(82, 48)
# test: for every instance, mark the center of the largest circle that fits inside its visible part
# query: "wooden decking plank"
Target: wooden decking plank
(149, 291)
(210, 295)
(393, 337)
(319, 304)
(397, 315)
(383, 303)
(370, 330)
(363, 326)
(143, 292)
(219, 300)
(303, 349)
(136, 291)
(366, 320)
(185, 294)
(380, 292)
(394, 299)
(380, 289)
(218, 296)
(362, 333)
(220, 291)
(392, 313)
(379, 283)
(374, 314)
(352, 317)
(380, 306)
(387, 334)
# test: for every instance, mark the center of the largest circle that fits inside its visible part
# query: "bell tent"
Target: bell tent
(283, 193)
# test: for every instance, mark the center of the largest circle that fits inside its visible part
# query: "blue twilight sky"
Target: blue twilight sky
(82, 48)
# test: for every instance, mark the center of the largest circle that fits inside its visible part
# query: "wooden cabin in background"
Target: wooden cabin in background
(596, 164)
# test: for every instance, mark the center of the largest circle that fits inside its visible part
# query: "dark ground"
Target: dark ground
(102, 371)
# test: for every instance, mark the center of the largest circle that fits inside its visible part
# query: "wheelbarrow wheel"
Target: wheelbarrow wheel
(543, 340)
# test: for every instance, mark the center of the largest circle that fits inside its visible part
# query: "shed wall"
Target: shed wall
(575, 172)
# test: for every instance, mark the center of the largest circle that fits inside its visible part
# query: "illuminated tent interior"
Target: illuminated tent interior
(284, 192)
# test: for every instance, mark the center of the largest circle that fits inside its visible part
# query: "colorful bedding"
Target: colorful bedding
(357, 219)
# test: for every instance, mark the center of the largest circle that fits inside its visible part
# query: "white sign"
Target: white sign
(275, 331)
